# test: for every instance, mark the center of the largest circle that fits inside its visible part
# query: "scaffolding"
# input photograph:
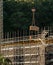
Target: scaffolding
(23, 50)
(28, 48)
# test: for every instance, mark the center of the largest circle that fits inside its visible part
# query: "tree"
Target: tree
(15, 16)
(18, 15)
(5, 61)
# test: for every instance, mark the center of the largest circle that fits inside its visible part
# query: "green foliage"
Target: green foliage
(4, 61)
(18, 15)
(44, 13)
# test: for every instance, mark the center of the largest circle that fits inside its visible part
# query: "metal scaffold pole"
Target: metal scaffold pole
(1, 20)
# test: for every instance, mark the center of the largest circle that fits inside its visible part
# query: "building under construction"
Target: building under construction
(29, 50)
(33, 49)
